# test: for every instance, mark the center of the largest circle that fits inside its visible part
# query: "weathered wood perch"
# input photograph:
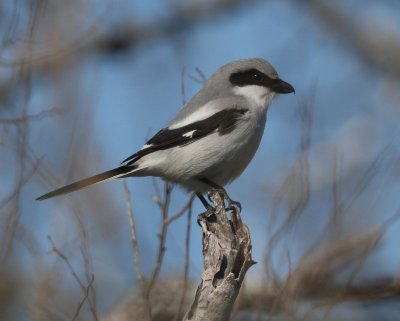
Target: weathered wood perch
(227, 257)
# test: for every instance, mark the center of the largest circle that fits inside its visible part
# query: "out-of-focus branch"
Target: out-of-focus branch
(164, 207)
(182, 211)
(227, 257)
(162, 199)
(315, 274)
(132, 225)
(183, 16)
(34, 117)
(295, 188)
(12, 219)
(381, 51)
(88, 294)
(163, 203)
(136, 254)
(186, 267)
(84, 249)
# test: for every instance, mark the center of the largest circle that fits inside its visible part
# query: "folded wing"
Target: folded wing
(222, 122)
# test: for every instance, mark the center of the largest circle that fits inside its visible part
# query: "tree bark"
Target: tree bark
(227, 257)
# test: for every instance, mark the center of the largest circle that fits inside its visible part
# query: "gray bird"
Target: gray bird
(212, 139)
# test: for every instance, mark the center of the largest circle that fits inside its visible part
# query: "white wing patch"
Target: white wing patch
(189, 134)
(202, 113)
(146, 146)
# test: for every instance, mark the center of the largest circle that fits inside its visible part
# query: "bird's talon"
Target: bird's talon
(237, 205)
(226, 199)
(233, 204)
(207, 215)
(233, 207)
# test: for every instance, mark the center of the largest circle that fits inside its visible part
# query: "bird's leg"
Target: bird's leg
(230, 202)
(210, 211)
(204, 201)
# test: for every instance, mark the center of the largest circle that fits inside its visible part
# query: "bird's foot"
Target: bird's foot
(230, 203)
(208, 215)
(233, 205)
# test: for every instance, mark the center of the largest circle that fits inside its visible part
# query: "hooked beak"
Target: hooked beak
(282, 87)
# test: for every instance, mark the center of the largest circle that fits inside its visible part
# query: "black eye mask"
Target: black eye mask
(256, 77)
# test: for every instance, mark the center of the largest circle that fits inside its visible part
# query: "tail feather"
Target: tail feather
(114, 173)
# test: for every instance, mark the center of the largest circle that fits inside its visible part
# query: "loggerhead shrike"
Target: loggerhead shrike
(212, 139)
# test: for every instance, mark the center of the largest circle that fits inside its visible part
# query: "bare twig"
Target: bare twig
(22, 134)
(136, 253)
(187, 260)
(199, 78)
(164, 206)
(182, 211)
(134, 242)
(67, 262)
(86, 295)
(336, 197)
(201, 74)
(163, 202)
(87, 263)
(186, 15)
(89, 297)
(12, 219)
(34, 117)
(296, 186)
(183, 91)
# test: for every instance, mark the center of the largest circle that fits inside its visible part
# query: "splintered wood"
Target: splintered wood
(227, 257)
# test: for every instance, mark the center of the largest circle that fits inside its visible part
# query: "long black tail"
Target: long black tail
(114, 173)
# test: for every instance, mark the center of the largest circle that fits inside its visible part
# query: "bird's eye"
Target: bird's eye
(255, 75)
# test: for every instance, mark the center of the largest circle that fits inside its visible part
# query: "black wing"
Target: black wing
(222, 122)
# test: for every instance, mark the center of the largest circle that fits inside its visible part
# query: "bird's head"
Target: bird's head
(253, 78)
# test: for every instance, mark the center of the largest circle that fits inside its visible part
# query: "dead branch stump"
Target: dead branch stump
(227, 257)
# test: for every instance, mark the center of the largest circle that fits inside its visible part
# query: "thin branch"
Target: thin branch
(85, 289)
(336, 213)
(12, 220)
(134, 242)
(67, 262)
(6, 200)
(33, 117)
(136, 252)
(162, 237)
(187, 261)
(86, 295)
(182, 211)
(295, 186)
(199, 78)
(183, 91)
(201, 74)
(87, 263)
(187, 15)
(163, 201)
